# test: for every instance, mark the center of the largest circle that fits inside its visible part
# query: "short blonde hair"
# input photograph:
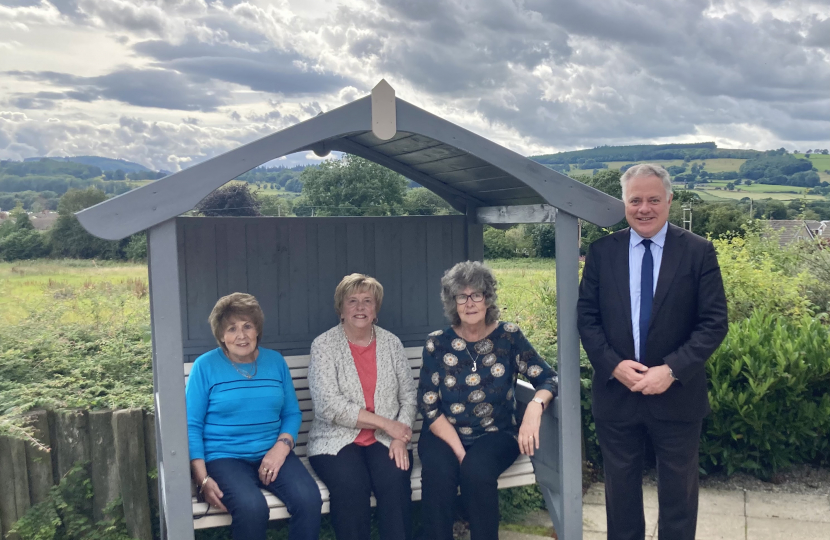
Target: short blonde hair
(357, 283)
(240, 305)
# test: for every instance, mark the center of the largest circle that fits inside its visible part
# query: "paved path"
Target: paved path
(723, 515)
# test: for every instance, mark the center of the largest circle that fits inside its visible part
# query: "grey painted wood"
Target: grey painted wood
(570, 439)
(292, 266)
(531, 213)
(128, 434)
(171, 417)
(168, 197)
(105, 483)
(383, 111)
(557, 189)
(38, 459)
(475, 236)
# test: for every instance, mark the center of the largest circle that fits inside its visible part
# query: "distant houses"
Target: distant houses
(42, 221)
(793, 230)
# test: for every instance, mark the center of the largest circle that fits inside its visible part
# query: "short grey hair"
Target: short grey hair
(474, 275)
(647, 169)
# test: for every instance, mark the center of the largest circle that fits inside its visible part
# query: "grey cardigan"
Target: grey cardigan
(338, 396)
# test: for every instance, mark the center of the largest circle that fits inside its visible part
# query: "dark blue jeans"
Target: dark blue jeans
(240, 485)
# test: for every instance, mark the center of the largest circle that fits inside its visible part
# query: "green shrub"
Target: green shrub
(768, 390)
(23, 245)
(66, 514)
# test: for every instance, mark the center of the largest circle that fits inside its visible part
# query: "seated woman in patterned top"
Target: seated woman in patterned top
(466, 395)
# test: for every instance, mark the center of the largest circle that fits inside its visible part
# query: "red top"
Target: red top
(365, 360)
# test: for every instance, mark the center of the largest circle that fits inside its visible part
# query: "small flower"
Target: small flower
(430, 398)
(430, 345)
(489, 360)
(511, 327)
(534, 371)
(449, 381)
(483, 409)
(509, 395)
(476, 396)
(485, 422)
(436, 378)
(432, 414)
(522, 365)
(451, 420)
(473, 379)
(459, 344)
(436, 333)
(492, 428)
(450, 359)
(484, 346)
(497, 370)
(465, 430)
(457, 408)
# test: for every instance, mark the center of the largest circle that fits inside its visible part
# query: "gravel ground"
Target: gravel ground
(802, 479)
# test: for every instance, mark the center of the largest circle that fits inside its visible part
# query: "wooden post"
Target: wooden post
(14, 482)
(176, 509)
(105, 483)
(151, 457)
(39, 460)
(71, 442)
(128, 433)
(475, 235)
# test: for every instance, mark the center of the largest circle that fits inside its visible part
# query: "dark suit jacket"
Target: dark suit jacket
(688, 322)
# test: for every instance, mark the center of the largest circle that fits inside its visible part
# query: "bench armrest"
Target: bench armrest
(546, 459)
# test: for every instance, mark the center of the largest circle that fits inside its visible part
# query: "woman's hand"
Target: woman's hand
(271, 463)
(397, 451)
(398, 430)
(529, 430)
(213, 495)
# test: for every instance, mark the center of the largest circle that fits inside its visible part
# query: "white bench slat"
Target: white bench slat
(518, 474)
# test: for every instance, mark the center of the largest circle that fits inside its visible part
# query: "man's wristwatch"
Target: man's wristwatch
(287, 441)
(672, 374)
(540, 401)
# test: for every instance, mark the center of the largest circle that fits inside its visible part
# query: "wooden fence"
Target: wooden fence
(120, 447)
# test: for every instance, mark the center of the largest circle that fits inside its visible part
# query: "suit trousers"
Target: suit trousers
(676, 444)
(352, 476)
(441, 475)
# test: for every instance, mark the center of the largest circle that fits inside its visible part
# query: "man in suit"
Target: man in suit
(651, 311)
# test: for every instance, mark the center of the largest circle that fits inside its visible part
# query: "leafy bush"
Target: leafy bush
(768, 390)
(501, 244)
(23, 244)
(66, 514)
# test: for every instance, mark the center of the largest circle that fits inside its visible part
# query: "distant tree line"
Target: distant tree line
(600, 154)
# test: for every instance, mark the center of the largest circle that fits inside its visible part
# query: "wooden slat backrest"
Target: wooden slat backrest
(298, 365)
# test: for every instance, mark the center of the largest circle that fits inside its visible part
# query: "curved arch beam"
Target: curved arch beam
(560, 191)
(168, 197)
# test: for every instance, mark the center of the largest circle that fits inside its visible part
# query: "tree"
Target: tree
(21, 219)
(352, 186)
(69, 239)
(274, 205)
(422, 202)
(233, 199)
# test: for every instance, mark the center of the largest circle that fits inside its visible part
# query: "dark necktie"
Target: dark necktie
(646, 296)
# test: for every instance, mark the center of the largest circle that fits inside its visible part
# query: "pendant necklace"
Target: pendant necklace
(475, 361)
(243, 372)
(371, 338)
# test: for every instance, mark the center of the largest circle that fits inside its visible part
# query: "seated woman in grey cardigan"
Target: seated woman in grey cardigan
(364, 408)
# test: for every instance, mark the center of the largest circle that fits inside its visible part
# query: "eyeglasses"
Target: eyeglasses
(461, 299)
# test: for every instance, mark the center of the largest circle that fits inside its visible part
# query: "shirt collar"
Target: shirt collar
(659, 238)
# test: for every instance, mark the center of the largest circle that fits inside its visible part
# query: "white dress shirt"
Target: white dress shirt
(636, 250)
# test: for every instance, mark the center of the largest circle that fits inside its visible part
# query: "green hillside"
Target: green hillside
(105, 164)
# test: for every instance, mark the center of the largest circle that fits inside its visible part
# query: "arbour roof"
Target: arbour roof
(463, 168)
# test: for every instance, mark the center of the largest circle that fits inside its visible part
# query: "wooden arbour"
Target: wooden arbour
(292, 264)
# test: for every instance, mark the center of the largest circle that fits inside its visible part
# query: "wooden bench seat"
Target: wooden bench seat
(519, 474)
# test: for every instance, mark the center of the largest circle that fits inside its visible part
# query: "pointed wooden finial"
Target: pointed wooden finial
(384, 123)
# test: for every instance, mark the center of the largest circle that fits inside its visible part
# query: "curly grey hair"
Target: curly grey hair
(474, 275)
(647, 169)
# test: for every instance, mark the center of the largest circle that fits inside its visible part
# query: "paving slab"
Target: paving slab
(596, 495)
(722, 502)
(778, 528)
(812, 508)
(593, 519)
(513, 535)
(720, 527)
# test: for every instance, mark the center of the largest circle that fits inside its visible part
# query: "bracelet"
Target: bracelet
(540, 401)
(288, 442)
(202, 485)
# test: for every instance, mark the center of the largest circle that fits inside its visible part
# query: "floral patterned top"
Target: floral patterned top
(473, 384)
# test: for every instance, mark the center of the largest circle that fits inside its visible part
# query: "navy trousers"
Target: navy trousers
(239, 482)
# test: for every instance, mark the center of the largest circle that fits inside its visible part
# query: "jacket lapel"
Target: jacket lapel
(672, 255)
(621, 275)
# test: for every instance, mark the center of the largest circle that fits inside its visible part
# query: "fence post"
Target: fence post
(104, 472)
(14, 482)
(151, 457)
(128, 429)
(38, 459)
(71, 439)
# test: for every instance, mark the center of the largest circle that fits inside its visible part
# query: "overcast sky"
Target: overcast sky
(168, 83)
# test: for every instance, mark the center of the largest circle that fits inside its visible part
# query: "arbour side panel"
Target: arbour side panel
(292, 266)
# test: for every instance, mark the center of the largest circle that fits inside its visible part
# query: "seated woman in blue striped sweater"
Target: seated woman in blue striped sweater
(242, 421)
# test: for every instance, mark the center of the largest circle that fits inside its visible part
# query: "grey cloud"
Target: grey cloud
(164, 89)
(269, 70)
